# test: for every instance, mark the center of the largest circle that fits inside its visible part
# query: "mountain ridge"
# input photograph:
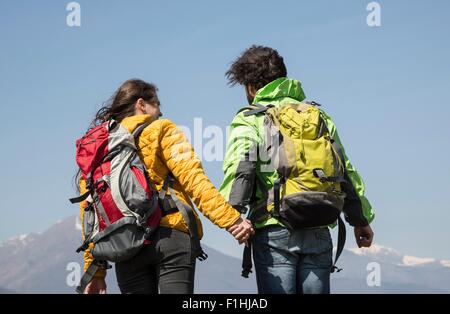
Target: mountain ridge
(45, 263)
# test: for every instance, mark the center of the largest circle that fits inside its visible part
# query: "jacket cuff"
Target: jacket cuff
(356, 222)
(101, 273)
(232, 221)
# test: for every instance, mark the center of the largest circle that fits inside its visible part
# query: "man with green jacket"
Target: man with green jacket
(286, 261)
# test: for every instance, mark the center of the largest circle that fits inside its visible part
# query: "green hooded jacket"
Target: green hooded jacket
(246, 178)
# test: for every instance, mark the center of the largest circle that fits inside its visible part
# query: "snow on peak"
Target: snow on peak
(20, 238)
(445, 263)
(416, 261)
(78, 225)
(387, 254)
(23, 237)
(376, 249)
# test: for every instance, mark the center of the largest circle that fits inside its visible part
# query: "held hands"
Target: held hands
(364, 236)
(242, 230)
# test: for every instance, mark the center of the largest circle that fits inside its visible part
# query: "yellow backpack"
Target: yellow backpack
(310, 167)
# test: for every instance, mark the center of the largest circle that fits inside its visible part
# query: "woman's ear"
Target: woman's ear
(139, 106)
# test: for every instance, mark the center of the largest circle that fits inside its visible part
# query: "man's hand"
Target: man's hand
(242, 230)
(96, 286)
(363, 236)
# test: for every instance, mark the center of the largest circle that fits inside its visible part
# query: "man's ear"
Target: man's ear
(251, 91)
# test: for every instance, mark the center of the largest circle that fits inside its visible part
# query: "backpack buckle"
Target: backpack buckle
(318, 173)
(202, 256)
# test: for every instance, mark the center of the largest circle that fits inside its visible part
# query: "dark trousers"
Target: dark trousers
(165, 266)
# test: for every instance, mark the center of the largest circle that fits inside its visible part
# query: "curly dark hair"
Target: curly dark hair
(257, 66)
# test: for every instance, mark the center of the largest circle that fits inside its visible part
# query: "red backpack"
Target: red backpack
(122, 210)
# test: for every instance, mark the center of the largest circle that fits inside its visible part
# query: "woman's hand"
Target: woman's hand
(96, 286)
(241, 230)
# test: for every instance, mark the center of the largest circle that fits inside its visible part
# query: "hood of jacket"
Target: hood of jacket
(281, 89)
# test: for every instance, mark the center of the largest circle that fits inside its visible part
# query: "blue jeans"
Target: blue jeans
(292, 263)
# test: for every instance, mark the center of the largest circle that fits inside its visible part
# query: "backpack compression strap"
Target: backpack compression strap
(247, 259)
(323, 178)
(188, 216)
(342, 233)
(89, 274)
(80, 198)
(87, 277)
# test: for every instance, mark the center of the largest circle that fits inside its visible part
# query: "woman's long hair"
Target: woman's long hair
(121, 105)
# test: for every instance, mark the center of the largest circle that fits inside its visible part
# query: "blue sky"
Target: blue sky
(385, 87)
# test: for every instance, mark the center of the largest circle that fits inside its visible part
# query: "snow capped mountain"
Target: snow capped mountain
(380, 252)
(44, 263)
(376, 250)
(78, 225)
(416, 261)
(397, 272)
(47, 265)
(22, 239)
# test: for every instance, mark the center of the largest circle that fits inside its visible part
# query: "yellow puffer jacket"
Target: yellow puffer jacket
(164, 149)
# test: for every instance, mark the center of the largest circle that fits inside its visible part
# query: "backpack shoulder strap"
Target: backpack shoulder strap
(187, 214)
(254, 109)
(313, 103)
(258, 108)
(137, 132)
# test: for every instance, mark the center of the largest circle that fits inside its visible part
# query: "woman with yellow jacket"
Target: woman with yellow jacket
(167, 265)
